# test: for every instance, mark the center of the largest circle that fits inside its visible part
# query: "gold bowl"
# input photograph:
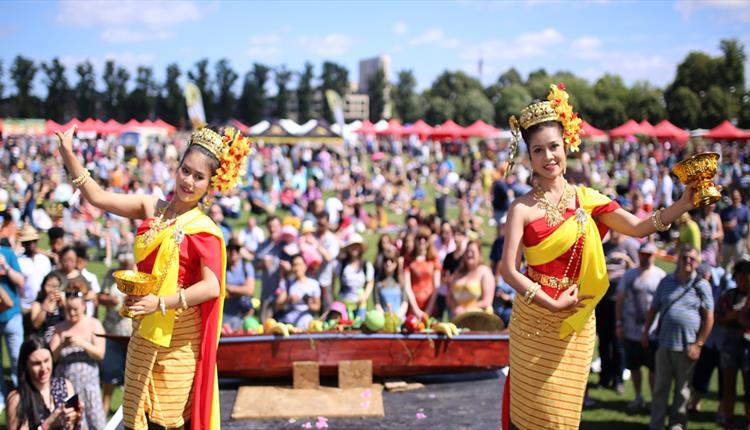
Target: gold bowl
(701, 169)
(134, 283)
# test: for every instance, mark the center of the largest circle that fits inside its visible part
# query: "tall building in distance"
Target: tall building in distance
(367, 68)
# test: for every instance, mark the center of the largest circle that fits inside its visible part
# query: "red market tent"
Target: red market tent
(448, 130)
(366, 128)
(591, 131)
(88, 125)
(667, 131)
(50, 127)
(480, 129)
(239, 125)
(394, 129)
(131, 125)
(726, 131)
(111, 127)
(648, 129)
(420, 128)
(169, 127)
(71, 123)
(630, 128)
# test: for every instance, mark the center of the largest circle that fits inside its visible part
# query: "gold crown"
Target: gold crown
(538, 113)
(210, 140)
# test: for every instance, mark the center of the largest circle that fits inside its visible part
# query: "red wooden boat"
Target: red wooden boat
(270, 357)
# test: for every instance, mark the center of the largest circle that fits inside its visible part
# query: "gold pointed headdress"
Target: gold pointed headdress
(555, 108)
(231, 150)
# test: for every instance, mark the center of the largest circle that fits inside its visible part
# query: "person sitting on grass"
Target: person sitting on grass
(298, 298)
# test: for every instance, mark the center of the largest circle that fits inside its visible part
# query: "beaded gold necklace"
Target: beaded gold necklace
(158, 224)
(554, 213)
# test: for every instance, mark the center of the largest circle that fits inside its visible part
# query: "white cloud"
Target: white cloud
(331, 45)
(587, 47)
(736, 9)
(154, 14)
(129, 21)
(399, 28)
(125, 35)
(436, 37)
(533, 44)
(130, 60)
(269, 54)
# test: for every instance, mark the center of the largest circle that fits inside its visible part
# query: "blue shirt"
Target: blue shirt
(236, 275)
(742, 215)
(680, 324)
(12, 260)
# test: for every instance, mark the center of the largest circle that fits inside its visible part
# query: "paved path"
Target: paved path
(451, 402)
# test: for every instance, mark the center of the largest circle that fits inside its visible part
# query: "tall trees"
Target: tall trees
(115, 91)
(305, 94)
(200, 77)
(85, 90)
(282, 77)
(684, 107)
(251, 106)
(376, 91)
(225, 79)
(142, 100)
(172, 101)
(405, 98)
(457, 96)
(333, 77)
(57, 90)
(22, 73)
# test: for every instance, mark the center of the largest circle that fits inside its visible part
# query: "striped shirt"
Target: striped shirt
(680, 325)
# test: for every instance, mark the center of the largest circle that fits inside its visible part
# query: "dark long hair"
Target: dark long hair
(42, 292)
(534, 129)
(30, 399)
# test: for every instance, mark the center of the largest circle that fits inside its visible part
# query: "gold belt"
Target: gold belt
(549, 281)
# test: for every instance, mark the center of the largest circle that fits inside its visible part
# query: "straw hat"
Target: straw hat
(28, 233)
(308, 226)
(354, 239)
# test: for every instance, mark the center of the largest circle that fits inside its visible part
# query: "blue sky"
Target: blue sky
(638, 40)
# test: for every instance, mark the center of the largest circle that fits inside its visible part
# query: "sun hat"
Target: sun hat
(28, 233)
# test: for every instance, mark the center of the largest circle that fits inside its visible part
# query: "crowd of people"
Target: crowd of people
(435, 214)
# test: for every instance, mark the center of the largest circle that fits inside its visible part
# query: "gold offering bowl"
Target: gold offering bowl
(134, 283)
(701, 169)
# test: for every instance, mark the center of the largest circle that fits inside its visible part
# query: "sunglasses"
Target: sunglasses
(423, 238)
(73, 294)
(689, 258)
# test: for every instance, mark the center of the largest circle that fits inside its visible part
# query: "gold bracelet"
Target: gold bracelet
(658, 223)
(531, 293)
(162, 306)
(81, 179)
(183, 300)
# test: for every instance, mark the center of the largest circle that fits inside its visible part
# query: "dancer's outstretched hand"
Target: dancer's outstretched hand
(66, 138)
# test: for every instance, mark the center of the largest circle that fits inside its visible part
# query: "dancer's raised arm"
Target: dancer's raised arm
(125, 205)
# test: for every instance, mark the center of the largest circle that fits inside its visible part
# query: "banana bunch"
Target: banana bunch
(315, 326)
(447, 328)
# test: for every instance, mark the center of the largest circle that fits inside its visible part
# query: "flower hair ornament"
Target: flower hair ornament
(555, 108)
(231, 150)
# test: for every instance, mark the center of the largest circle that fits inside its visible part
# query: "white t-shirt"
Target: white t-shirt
(334, 208)
(34, 269)
(94, 284)
(299, 313)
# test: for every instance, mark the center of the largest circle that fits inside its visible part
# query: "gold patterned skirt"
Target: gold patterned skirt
(548, 374)
(159, 380)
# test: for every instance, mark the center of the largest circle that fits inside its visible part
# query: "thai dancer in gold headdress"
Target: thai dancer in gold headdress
(170, 374)
(559, 229)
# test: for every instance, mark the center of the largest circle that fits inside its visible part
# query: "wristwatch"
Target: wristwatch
(699, 343)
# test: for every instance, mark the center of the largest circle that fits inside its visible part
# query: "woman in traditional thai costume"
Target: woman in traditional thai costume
(559, 229)
(170, 374)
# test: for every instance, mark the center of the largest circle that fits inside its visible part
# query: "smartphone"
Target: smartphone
(72, 402)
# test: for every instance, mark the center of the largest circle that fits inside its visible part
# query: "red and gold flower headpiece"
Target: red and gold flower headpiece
(231, 150)
(555, 108)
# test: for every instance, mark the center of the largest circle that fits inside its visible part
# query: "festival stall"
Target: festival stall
(480, 129)
(666, 131)
(420, 128)
(629, 128)
(726, 131)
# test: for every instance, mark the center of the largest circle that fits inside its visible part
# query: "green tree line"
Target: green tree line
(705, 91)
